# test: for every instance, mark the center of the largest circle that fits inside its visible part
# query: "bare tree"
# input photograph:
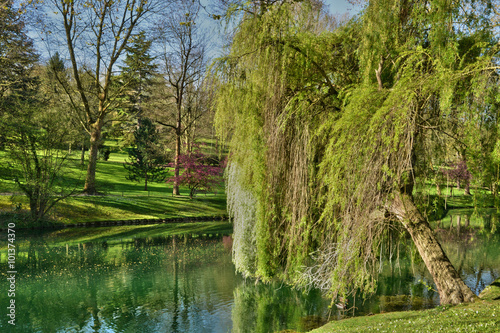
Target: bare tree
(96, 33)
(184, 63)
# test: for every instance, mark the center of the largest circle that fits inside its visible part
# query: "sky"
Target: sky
(335, 7)
(341, 7)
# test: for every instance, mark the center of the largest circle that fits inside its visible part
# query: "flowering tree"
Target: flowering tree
(200, 172)
(460, 173)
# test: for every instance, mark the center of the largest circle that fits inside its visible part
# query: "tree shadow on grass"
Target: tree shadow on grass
(127, 208)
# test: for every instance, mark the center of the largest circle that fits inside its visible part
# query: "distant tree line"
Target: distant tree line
(135, 71)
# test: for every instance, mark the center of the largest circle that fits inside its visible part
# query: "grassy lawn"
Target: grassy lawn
(121, 199)
(482, 316)
(457, 199)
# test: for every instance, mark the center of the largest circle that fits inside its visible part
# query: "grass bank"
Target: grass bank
(482, 316)
(474, 212)
(121, 199)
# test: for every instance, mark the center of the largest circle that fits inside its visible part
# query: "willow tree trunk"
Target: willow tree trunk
(95, 138)
(451, 288)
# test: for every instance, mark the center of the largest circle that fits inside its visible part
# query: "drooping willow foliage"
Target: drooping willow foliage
(242, 205)
(275, 89)
(326, 123)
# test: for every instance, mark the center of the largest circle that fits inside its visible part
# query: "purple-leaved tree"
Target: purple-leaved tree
(200, 172)
(460, 173)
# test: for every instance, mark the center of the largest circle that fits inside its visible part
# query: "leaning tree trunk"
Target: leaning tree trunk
(451, 288)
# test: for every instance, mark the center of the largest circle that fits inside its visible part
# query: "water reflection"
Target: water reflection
(274, 307)
(161, 284)
(187, 283)
(147, 285)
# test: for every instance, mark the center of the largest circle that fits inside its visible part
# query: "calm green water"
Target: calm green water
(188, 284)
(161, 284)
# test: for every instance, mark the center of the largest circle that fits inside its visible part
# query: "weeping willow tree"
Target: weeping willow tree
(274, 86)
(330, 129)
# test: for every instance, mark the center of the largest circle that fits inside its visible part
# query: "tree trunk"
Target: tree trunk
(175, 190)
(378, 73)
(82, 156)
(95, 138)
(34, 206)
(451, 288)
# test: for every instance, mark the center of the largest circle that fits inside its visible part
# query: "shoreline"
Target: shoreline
(482, 315)
(108, 223)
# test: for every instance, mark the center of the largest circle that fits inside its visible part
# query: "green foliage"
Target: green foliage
(431, 206)
(138, 74)
(36, 164)
(271, 84)
(326, 126)
(17, 54)
(145, 162)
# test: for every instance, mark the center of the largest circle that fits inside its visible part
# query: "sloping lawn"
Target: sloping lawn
(121, 199)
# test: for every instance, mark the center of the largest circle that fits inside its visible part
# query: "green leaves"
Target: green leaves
(326, 125)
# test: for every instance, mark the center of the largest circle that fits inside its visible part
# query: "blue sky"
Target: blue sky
(341, 7)
(334, 6)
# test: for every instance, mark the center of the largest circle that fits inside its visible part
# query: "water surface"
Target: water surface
(187, 283)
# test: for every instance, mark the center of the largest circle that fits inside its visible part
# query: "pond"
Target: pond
(187, 283)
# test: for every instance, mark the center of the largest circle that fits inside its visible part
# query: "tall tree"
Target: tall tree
(17, 60)
(280, 76)
(184, 60)
(17, 55)
(138, 73)
(31, 127)
(328, 155)
(145, 160)
(97, 32)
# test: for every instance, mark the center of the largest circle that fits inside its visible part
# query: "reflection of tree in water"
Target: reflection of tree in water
(274, 307)
(198, 282)
(50, 291)
(474, 252)
(92, 286)
(403, 281)
(167, 299)
(91, 305)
